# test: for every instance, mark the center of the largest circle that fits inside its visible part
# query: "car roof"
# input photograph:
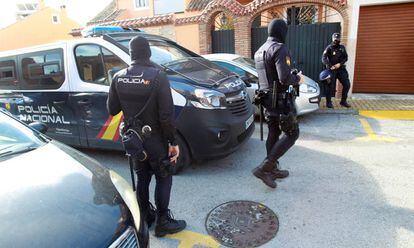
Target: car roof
(116, 36)
(222, 56)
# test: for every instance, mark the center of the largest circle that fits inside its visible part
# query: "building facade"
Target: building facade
(45, 25)
(207, 26)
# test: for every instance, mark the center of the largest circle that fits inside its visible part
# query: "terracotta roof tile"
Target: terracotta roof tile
(198, 4)
(139, 22)
(108, 13)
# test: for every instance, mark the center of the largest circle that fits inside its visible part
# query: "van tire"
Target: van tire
(184, 159)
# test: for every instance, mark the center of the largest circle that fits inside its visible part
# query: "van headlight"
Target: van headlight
(208, 99)
(306, 88)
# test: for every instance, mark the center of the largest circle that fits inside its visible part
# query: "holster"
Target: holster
(288, 123)
(133, 140)
(259, 97)
(288, 120)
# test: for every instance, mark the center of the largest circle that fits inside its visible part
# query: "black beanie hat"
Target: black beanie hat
(278, 29)
(139, 48)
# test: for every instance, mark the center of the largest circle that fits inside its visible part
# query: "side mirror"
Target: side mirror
(39, 126)
(246, 80)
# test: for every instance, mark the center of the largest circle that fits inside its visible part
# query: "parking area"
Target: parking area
(351, 184)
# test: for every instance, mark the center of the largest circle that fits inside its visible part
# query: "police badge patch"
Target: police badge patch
(288, 60)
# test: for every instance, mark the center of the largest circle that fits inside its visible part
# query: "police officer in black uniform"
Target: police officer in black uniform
(131, 88)
(276, 80)
(334, 58)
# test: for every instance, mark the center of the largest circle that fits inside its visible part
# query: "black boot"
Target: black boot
(278, 174)
(329, 105)
(150, 215)
(166, 224)
(345, 104)
(264, 173)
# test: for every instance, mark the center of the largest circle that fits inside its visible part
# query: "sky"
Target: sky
(79, 10)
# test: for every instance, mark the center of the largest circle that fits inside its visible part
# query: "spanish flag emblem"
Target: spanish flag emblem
(110, 130)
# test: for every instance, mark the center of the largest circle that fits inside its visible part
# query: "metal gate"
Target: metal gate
(223, 41)
(306, 44)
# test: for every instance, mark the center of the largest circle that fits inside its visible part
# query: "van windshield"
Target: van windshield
(162, 52)
(184, 63)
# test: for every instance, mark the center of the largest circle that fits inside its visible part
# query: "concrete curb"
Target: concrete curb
(337, 111)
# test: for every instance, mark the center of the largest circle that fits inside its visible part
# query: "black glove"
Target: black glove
(259, 97)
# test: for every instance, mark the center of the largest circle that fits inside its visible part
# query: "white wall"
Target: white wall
(354, 7)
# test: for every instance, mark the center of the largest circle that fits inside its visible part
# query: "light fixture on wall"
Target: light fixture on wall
(224, 20)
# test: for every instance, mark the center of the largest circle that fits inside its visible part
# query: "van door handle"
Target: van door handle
(84, 102)
(59, 102)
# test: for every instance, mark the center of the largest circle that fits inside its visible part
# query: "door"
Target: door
(93, 64)
(306, 43)
(223, 41)
(384, 57)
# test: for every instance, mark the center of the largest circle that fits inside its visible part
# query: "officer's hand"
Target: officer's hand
(302, 78)
(173, 153)
(333, 67)
(337, 66)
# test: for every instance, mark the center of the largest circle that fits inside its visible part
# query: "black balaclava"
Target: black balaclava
(278, 29)
(336, 39)
(139, 49)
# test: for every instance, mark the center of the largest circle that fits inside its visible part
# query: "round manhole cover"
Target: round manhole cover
(242, 224)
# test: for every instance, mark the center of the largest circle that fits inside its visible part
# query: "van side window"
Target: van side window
(94, 63)
(8, 77)
(42, 70)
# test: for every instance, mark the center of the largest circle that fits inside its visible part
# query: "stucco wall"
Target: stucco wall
(166, 31)
(131, 12)
(188, 37)
(37, 29)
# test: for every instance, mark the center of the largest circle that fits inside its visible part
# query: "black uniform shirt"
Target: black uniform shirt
(130, 90)
(278, 65)
(334, 54)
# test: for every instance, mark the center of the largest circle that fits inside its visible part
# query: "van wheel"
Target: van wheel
(184, 159)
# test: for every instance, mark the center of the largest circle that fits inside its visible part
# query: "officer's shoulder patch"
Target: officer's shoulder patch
(288, 62)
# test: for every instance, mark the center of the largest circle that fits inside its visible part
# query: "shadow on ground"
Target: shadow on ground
(328, 201)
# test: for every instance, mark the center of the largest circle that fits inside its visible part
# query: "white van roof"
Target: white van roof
(47, 46)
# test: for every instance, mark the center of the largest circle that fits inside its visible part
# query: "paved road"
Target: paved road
(351, 185)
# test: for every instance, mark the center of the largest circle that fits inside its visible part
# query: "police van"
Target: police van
(65, 85)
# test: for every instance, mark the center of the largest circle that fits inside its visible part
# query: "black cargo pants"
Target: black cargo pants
(277, 145)
(343, 77)
(157, 150)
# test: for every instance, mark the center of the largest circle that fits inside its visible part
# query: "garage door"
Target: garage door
(385, 49)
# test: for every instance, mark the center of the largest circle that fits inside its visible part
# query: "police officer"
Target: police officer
(334, 58)
(131, 88)
(276, 77)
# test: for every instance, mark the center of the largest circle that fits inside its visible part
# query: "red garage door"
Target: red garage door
(385, 49)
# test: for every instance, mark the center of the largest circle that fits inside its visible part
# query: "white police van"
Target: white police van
(65, 85)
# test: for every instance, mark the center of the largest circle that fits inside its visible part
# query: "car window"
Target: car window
(42, 70)
(239, 71)
(95, 61)
(246, 61)
(8, 76)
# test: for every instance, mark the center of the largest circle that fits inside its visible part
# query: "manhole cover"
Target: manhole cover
(242, 224)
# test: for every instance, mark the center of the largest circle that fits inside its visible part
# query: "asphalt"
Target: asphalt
(351, 185)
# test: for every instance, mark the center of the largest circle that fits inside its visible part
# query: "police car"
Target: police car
(309, 91)
(65, 85)
(55, 196)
